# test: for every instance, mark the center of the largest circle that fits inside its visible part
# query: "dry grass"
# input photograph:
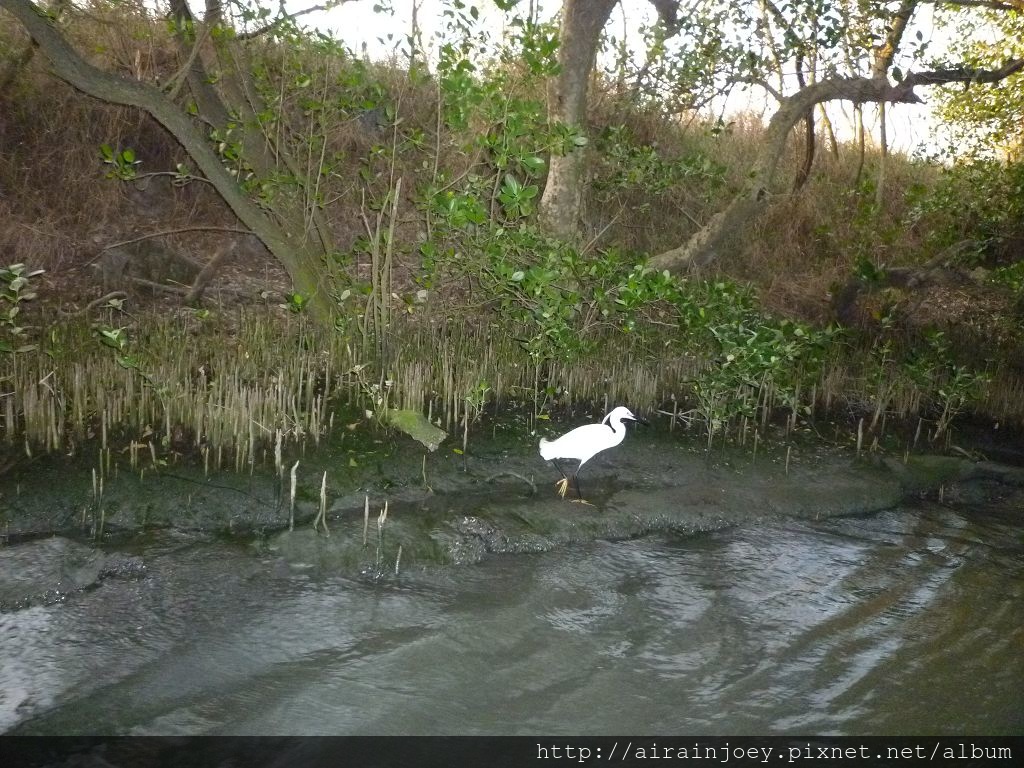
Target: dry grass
(65, 209)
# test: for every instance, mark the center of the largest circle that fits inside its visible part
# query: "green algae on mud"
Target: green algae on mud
(499, 498)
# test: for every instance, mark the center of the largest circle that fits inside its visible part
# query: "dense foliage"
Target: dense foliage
(417, 185)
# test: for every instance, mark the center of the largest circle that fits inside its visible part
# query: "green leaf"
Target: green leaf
(533, 164)
(114, 338)
(511, 185)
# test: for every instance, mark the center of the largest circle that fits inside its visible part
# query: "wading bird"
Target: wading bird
(583, 443)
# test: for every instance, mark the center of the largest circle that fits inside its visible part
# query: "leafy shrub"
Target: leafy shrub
(15, 290)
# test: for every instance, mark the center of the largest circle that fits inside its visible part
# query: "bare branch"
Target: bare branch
(174, 231)
(760, 83)
(283, 17)
(1009, 5)
(960, 75)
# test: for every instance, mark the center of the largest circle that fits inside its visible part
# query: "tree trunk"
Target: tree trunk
(16, 64)
(879, 68)
(862, 148)
(582, 22)
(826, 122)
(804, 173)
(707, 242)
(242, 99)
(287, 240)
(883, 156)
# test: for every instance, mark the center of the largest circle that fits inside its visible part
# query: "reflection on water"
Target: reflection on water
(910, 621)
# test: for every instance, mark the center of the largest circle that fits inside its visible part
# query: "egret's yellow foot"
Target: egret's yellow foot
(562, 485)
(581, 501)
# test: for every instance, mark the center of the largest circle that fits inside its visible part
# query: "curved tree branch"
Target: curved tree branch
(287, 246)
(705, 244)
(995, 5)
(771, 89)
(960, 75)
(283, 16)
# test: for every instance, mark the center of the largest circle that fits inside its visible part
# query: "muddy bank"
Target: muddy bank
(456, 509)
(648, 492)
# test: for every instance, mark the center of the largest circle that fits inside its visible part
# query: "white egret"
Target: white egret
(583, 443)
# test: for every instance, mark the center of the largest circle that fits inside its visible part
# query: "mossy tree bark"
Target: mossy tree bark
(282, 228)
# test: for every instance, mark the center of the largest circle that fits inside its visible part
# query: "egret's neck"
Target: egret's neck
(618, 428)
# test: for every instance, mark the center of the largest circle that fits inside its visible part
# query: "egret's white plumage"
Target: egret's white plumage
(583, 443)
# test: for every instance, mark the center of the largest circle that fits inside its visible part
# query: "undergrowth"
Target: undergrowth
(449, 294)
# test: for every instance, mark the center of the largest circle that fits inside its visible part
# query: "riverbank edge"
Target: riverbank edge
(454, 510)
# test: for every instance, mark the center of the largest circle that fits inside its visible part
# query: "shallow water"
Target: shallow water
(908, 621)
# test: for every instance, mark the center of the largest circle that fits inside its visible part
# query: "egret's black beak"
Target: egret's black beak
(645, 422)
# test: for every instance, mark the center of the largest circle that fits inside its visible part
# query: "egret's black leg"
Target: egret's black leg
(579, 491)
